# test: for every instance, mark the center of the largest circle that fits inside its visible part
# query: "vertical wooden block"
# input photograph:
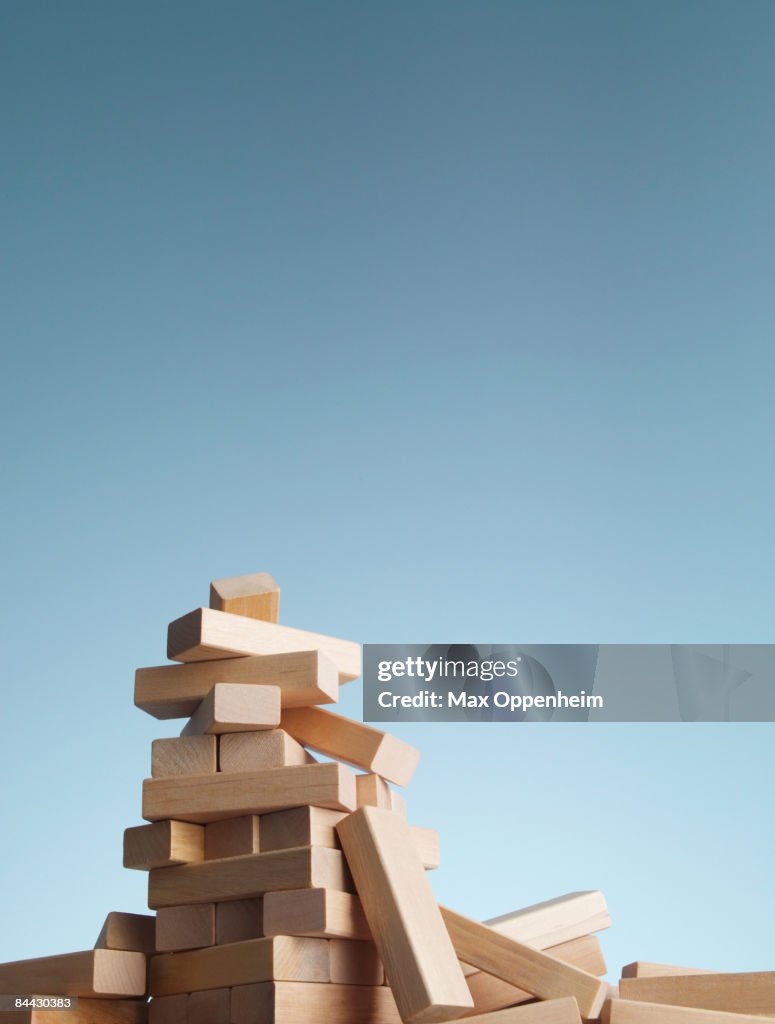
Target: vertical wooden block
(427, 842)
(232, 837)
(127, 931)
(238, 920)
(325, 913)
(355, 963)
(372, 791)
(235, 707)
(168, 1010)
(184, 755)
(300, 826)
(269, 748)
(163, 844)
(210, 1006)
(255, 595)
(186, 927)
(403, 917)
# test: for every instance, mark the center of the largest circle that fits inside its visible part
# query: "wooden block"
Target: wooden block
(251, 751)
(238, 920)
(555, 921)
(240, 963)
(623, 1011)
(323, 913)
(185, 927)
(300, 826)
(552, 1011)
(88, 1011)
(163, 844)
(205, 798)
(752, 993)
(127, 931)
(236, 878)
(255, 595)
(205, 634)
(167, 1010)
(232, 837)
(353, 742)
(404, 919)
(186, 755)
(373, 791)
(355, 963)
(522, 965)
(296, 1003)
(176, 691)
(94, 972)
(235, 707)
(426, 841)
(643, 969)
(210, 1006)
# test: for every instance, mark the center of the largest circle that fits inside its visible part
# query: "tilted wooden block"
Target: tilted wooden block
(205, 798)
(232, 837)
(88, 1011)
(94, 972)
(353, 742)
(255, 595)
(176, 691)
(355, 963)
(127, 931)
(210, 1006)
(325, 913)
(373, 791)
(623, 1011)
(522, 965)
(251, 751)
(556, 920)
(167, 1009)
(403, 917)
(163, 844)
(297, 1003)
(238, 920)
(643, 969)
(185, 927)
(205, 634)
(552, 1011)
(752, 992)
(240, 963)
(235, 707)
(184, 755)
(236, 878)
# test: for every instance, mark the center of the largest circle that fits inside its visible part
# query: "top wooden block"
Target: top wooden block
(206, 634)
(256, 596)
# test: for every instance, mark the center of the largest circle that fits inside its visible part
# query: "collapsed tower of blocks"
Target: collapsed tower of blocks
(290, 890)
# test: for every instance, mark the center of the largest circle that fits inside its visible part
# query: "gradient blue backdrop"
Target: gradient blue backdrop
(458, 318)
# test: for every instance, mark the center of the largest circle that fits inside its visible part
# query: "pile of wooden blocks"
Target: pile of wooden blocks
(292, 890)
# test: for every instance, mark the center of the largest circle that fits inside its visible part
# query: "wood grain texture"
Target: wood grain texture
(297, 1003)
(252, 751)
(240, 963)
(205, 798)
(644, 969)
(188, 755)
(355, 963)
(752, 992)
(89, 1011)
(426, 841)
(210, 1006)
(238, 920)
(552, 1011)
(255, 595)
(403, 916)
(175, 691)
(373, 791)
(235, 707)
(300, 826)
(205, 634)
(236, 878)
(127, 931)
(163, 844)
(186, 927)
(233, 837)
(167, 1010)
(94, 972)
(556, 920)
(624, 1011)
(322, 913)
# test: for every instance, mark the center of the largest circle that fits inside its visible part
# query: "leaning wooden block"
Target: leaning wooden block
(232, 837)
(176, 691)
(88, 1011)
(403, 917)
(521, 965)
(255, 595)
(236, 878)
(238, 920)
(300, 826)
(373, 791)
(623, 1011)
(205, 798)
(297, 1003)
(235, 707)
(552, 1011)
(752, 993)
(163, 844)
(251, 751)
(555, 921)
(184, 755)
(240, 963)
(167, 1009)
(210, 1006)
(205, 634)
(323, 913)
(127, 931)
(355, 963)
(643, 969)
(94, 972)
(185, 927)
(353, 742)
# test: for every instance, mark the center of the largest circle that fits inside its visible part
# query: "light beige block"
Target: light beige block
(300, 826)
(644, 969)
(255, 595)
(235, 707)
(185, 927)
(210, 1006)
(551, 1011)
(163, 844)
(93, 973)
(624, 1011)
(184, 755)
(372, 791)
(252, 751)
(323, 913)
(127, 931)
(355, 963)
(232, 837)
(295, 1003)
(556, 920)
(749, 992)
(238, 920)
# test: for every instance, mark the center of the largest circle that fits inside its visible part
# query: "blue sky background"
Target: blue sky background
(457, 318)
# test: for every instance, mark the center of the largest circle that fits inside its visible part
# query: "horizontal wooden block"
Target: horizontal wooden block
(210, 1006)
(752, 993)
(252, 751)
(240, 963)
(185, 927)
(205, 798)
(127, 931)
(644, 969)
(555, 921)
(235, 707)
(163, 844)
(255, 595)
(552, 1011)
(355, 963)
(297, 1003)
(373, 791)
(300, 826)
(325, 913)
(167, 1009)
(236, 878)
(239, 920)
(184, 755)
(354, 742)
(94, 972)
(624, 1011)
(88, 1011)
(176, 691)
(205, 634)
(522, 965)
(232, 837)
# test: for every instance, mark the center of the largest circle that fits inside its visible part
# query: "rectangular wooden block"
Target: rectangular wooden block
(373, 791)
(355, 963)
(297, 1003)
(623, 1011)
(251, 751)
(176, 691)
(210, 1006)
(404, 919)
(239, 920)
(88, 1011)
(206, 634)
(555, 921)
(325, 913)
(167, 1009)
(254, 594)
(163, 844)
(235, 707)
(240, 963)
(644, 969)
(232, 837)
(236, 878)
(127, 931)
(354, 742)
(552, 1011)
(184, 755)
(426, 841)
(300, 826)
(94, 972)
(523, 966)
(205, 798)
(752, 993)
(185, 927)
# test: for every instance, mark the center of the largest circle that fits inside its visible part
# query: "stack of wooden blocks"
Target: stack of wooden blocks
(290, 890)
